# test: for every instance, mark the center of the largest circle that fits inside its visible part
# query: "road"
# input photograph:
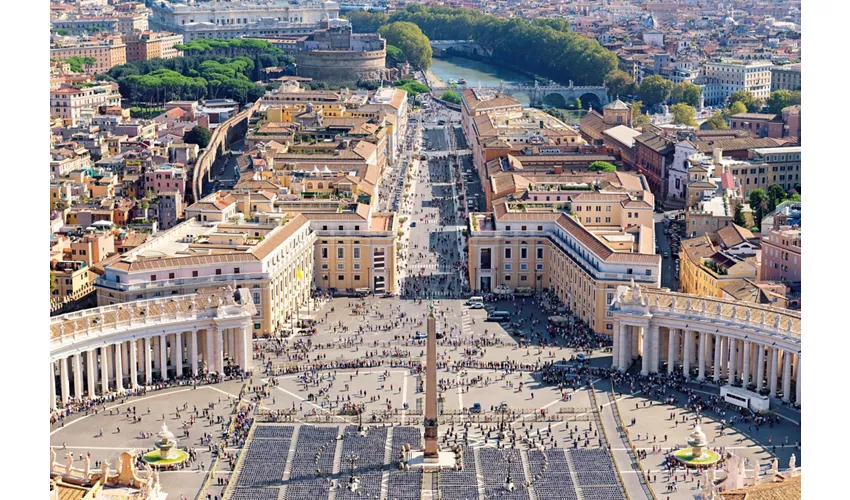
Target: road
(225, 171)
(668, 264)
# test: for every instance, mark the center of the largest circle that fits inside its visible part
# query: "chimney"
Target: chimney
(718, 167)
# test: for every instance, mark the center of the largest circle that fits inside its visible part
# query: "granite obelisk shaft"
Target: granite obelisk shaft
(432, 451)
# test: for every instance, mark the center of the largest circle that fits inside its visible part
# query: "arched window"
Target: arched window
(321, 186)
(309, 185)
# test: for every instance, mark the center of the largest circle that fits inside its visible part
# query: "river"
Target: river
(489, 75)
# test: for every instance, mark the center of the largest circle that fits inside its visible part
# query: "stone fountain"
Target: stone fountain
(698, 455)
(165, 455)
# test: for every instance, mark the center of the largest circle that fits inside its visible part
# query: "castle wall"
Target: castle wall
(341, 65)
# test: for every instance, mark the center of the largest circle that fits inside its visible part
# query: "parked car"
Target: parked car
(476, 408)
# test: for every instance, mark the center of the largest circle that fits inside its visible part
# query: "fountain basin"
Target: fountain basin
(175, 457)
(687, 458)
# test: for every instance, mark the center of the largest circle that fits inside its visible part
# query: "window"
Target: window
(507, 228)
(507, 253)
(540, 228)
(523, 278)
(340, 253)
(256, 297)
(236, 270)
(356, 267)
(539, 267)
(539, 253)
(218, 272)
(523, 228)
(507, 267)
(341, 277)
(340, 267)
(598, 220)
(194, 274)
(649, 272)
(507, 277)
(523, 253)
(356, 252)
(523, 267)
(607, 219)
(153, 278)
(356, 277)
(324, 252)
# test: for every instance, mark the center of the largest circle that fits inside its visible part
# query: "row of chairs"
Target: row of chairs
(265, 460)
(312, 463)
(255, 494)
(404, 485)
(550, 474)
(463, 484)
(494, 466)
(273, 431)
(370, 451)
(593, 467)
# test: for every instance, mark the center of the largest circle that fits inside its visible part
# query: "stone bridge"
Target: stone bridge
(558, 96)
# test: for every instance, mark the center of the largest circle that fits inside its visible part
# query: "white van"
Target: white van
(745, 399)
(475, 302)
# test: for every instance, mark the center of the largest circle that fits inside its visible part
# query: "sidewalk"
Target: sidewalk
(618, 448)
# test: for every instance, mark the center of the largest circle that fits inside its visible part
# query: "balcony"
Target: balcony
(199, 281)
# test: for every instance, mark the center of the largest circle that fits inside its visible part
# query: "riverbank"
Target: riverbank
(433, 80)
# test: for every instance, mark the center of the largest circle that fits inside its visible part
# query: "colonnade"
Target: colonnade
(753, 361)
(124, 364)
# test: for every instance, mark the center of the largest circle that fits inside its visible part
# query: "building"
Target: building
(477, 102)
(333, 54)
(786, 77)
(759, 124)
(581, 248)
(782, 166)
(241, 18)
(593, 125)
(72, 103)
(107, 53)
(146, 45)
(271, 259)
(781, 255)
(725, 77)
(721, 339)
(165, 178)
(654, 153)
(708, 265)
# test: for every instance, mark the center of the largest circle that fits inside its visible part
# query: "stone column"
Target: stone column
(786, 378)
(231, 343)
(119, 368)
(724, 356)
(125, 359)
(208, 354)
(760, 369)
(177, 349)
(799, 380)
(701, 355)
(104, 370)
(163, 357)
(245, 349)
(624, 346)
(193, 352)
(91, 375)
(774, 361)
(63, 381)
(615, 351)
(155, 353)
(745, 374)
(78, 376)
(148, 362)
(671, 349)
(654, 348)
(686, 359)
(134, 363)
(218, 350)
(733, 359)
(645, 352)
(53, 385)
(718, 348)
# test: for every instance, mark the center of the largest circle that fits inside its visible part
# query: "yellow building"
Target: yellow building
(707, 269)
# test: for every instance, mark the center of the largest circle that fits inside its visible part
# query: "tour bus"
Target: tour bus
(499, 316)
(745, 399)
(475, 302)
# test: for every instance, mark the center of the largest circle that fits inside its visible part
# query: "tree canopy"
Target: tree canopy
(451, 96)
(638, 116)
(619, 83)
(602, 166)
(412, 42)
(716, 122)
(79, 64)
(366, 22)
(412, 87)
(684, 114)
(780, 99)
(198, 135)
(737, 107)
(687, 93)
(746, 97)
(758, 202)
(558, 53)
(394, 55)
(654, 90)
(775, 195)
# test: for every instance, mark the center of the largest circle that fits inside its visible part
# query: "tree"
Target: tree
(795, 197)
(61, 32)
(412, 42)
(684, 114)
(758, 202)
(752, 104)
(775, 195)
(451, 96)
(618, 83)
(686, 92)
(739, 218)
(655, 90)
(638, 117)
(736, 108)
(366, 22)
(780, 99)
(576, 104)
(198, 135)
(394, 56)
(716, 122)
(52, 282)
(602, 166)
(412, 87)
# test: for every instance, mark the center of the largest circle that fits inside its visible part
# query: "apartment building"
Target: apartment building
(709, 264)
(725, 77)
(581, 248)
(107, 53)
(152, 45)
(72, 103)
(786, 77)
(166, 178)
(271, 260)
(781, 255)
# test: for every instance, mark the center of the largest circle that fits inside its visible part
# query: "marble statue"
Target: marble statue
(748, 315)
(776, 322)
(61, 329)
(774, 466)
(656, 301)
(673, 304)
(719, 309)
(104, 469)
(688, 305)
(87, 466)
(68, 463)
(734, 312)
(703, 307)
(762, 317)
(792, 463)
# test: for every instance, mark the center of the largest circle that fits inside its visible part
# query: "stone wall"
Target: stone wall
(341, 65)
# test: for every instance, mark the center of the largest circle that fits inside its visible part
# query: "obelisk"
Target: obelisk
(432, 452)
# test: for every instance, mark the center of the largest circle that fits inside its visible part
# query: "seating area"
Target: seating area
(264, 461)
(550, 474)
(255, 494)
(460, 485)
(404, 485)
(494, 466)
(593, 467)
(315, 449)
(273, 431)
(370, 450)
(603, 493)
